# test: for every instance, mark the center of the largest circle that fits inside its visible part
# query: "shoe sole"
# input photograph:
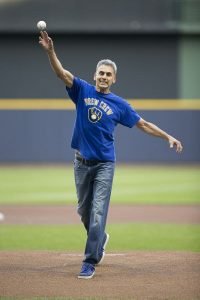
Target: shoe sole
(86, 277)
(104, 247)
(102, 259)
(106, 242)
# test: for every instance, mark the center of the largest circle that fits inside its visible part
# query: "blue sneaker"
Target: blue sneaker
(87, 271)
(103, 249)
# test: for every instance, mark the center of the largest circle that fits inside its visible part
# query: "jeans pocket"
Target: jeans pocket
(77, 163)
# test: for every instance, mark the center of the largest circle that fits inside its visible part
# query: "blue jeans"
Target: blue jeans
(93, 187)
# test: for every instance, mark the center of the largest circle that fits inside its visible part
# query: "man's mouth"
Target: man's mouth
(103, 82)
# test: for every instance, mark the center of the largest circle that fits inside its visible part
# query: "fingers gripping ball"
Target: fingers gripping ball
(41, 25)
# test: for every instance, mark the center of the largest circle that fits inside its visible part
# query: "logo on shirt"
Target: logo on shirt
(94, 114)
(97, 109)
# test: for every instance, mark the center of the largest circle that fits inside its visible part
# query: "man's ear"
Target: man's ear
(95, 76)
(114, 79)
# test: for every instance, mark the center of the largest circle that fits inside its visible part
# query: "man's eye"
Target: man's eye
(101, 73)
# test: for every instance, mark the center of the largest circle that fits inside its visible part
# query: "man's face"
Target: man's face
(104, 77)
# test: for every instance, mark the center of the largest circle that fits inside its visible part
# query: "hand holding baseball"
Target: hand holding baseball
(45, 41)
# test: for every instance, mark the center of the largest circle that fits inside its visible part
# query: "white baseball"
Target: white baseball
(2, 217)
(41, 25)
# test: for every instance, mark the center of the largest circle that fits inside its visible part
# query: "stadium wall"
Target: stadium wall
(149, 67)
(45, 136)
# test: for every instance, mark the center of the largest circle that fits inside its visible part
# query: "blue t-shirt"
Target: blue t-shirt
(97, 114)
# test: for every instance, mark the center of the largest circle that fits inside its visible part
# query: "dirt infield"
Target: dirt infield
(66, 214)
(135, 275)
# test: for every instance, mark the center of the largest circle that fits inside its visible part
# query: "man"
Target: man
(98, 112)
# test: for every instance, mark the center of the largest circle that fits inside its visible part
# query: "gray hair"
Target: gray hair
(107, 62)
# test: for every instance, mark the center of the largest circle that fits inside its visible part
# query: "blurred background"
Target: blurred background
(156, 46)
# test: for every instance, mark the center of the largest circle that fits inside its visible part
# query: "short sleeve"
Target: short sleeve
(74, 91)
(129, 117)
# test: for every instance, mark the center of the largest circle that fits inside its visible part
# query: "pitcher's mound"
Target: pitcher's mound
(135, 275)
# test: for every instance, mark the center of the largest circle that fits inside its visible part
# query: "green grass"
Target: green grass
(124, 237)
(132, 184)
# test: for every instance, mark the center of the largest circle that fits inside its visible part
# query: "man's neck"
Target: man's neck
(103, 91)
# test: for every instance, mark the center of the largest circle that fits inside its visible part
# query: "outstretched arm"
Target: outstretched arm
(154, 130)
(46, 42)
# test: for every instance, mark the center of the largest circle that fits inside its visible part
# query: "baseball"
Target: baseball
(41, 25)
(2, 217)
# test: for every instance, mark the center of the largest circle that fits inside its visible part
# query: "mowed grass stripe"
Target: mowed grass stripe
(123, 237)
(132, 184)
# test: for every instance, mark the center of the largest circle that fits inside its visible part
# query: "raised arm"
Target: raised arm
(154, 130)
(46, 42)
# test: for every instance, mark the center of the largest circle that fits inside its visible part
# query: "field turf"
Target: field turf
(132, 184)
(124, 237)
(178, 185)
